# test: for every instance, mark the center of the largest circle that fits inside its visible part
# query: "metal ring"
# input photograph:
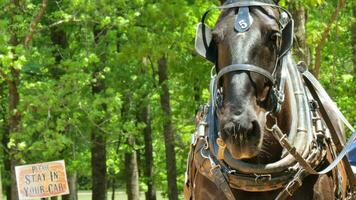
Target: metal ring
(273, 117)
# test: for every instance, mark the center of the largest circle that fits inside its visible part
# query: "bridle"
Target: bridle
(206, 47)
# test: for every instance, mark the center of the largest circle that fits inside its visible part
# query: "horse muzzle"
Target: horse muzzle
(242, 138)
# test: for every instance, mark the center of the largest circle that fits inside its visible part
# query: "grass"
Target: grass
(86, 195)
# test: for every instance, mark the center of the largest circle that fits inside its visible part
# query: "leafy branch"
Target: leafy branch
(324, 37)
(35, 22)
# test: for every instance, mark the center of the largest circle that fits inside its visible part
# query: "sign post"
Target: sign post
(41, 180)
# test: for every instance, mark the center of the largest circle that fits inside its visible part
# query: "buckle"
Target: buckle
(291, 187)
(206, 145)
(262, 177)
(279, 95)
(313, 105)
(213, 168)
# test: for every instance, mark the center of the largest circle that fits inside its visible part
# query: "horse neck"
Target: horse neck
(271, 150)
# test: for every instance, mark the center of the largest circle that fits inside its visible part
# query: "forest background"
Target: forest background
(112, 86)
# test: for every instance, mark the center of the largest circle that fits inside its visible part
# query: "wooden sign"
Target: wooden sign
(41, 180)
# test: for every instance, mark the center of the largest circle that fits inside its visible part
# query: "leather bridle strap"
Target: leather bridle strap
(252, 3)
(246, 3)
(245, 67)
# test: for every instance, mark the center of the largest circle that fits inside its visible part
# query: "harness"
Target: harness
(306, 145)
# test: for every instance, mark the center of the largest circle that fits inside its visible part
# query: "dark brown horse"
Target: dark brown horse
(248, 160)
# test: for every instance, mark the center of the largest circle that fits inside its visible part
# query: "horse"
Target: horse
(270, 131)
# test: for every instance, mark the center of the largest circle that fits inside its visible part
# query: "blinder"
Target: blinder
(204, 43)
(206, 47)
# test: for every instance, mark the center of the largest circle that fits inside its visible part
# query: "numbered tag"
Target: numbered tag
(243, 20)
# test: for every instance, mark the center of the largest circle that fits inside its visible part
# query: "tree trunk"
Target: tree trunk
(98, 139)
(132, 182)
(14, 115)
(73, 191)
(98, 162)
(7, 163)
(98, 155)
(113, 189)
(353, 30)
(14, 123)
(168, 130)
(131, 167)
(148, 170)
(324, 37)
(301, 51)
(13, 84)
(1, 196)
(5, 186)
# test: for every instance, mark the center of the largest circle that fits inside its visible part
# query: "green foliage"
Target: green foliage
(337, 73)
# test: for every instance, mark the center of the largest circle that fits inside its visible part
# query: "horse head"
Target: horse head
(251, 37)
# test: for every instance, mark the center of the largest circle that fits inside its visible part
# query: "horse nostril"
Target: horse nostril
(237, 129)
(254, 130)
(230, 128)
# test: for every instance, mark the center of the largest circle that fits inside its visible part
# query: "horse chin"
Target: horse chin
(240, 152)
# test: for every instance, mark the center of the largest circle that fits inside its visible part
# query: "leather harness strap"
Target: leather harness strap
(204, 163)
(335, 137)
(292, 186)
(340, 148)
(221, 182)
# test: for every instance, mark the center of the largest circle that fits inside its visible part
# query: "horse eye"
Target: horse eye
(216, 38)
(218, 35)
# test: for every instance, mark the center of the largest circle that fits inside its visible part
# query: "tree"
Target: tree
(168, 130)
(324, 37)
(98, 138)
(132, 182)
(299, 14)
(148, 169)
(353, 31)
(12, 78)
(14, 97)
(1, 195)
